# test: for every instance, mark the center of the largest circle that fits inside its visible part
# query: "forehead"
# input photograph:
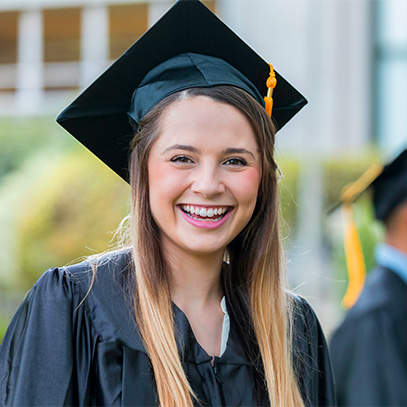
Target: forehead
(202, 120)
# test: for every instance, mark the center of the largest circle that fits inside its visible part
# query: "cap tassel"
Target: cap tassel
(353, 249)
(354, 258)
(271, 84)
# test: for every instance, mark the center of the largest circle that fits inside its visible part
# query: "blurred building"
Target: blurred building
(50, 49)
(348, 56)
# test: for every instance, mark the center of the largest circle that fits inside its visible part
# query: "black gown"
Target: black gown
(59, 352)
(369, 349)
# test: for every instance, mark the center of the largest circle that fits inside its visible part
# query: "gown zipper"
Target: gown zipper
(216, 369)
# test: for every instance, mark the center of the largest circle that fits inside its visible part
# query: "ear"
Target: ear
(403, 214)
(399, 222)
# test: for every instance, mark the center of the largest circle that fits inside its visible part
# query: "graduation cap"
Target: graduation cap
(389, 186)
(188, 47)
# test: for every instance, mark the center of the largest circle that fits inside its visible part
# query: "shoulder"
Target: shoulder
(308, 337)
(80, 277)
(384, 295)
(98, 290)
(310, 354)
(113, 263)
(304, 317)
(379, 310)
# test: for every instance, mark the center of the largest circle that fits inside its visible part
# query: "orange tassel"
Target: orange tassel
(271, 84)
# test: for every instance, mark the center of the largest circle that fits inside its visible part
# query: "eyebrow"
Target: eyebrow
(196, 150)
(181, 147)
(237, 151)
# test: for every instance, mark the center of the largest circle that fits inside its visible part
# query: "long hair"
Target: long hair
(253, 281)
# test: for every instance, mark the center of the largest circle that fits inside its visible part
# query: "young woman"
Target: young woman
(195, 312)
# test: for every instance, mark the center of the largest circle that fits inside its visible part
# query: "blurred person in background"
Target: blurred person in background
(369, 349)
(195, 311)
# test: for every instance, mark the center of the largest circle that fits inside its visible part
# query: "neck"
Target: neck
(396, 228)
(399, 242)
(195, 280)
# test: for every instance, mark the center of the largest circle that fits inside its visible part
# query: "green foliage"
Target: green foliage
(339, 171)
(70, 213)
(288, 194)
(20, 137)
(4, 322)
(370, 233)
(336, 174)
(56, 200)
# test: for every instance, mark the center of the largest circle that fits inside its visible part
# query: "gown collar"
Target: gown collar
(192, 352)
(391, 258)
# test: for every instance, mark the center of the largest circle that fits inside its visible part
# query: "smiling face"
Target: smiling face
(204, 175)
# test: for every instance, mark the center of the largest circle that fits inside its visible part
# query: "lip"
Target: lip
(206, 224)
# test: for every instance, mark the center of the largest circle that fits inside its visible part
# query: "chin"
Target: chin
(203, 247)
(205, 250)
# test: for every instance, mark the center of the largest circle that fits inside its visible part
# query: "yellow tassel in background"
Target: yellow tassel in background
(355, 261)
(354, 258)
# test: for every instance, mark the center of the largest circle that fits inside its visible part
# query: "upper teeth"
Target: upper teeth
(204, 212)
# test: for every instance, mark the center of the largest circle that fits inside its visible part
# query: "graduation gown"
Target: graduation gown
(60, 351)
(369, 349)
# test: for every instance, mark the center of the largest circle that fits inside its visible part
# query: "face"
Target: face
(204, 175)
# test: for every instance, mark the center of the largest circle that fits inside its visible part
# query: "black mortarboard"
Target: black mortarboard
(188, 47)
(390, 187)
(388, 184)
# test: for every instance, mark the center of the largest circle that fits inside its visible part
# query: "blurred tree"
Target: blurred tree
(338, 173)
(343, 169)
(22, 137)
(370, 233)
(60, 205)
(289, 168)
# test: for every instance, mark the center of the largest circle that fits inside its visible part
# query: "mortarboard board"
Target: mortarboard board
(388, 183)
(389, 186)
(188, 47)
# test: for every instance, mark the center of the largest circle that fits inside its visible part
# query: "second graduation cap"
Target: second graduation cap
(389, 187)
(188, 47)
(388, 184)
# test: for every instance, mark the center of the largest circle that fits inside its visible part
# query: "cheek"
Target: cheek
(247, 189)
(164, 182)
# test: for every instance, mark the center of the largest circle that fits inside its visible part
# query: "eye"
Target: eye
(181, 159)
(236, 162)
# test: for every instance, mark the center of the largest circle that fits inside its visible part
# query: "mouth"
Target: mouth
(206, 213)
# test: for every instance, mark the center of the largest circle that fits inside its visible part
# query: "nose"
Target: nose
(208, 181)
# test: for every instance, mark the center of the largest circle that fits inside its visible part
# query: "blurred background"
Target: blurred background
(59, 203)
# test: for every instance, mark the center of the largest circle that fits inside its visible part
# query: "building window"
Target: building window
(126, 24)
(391, 74)
(8, 50)
(8, 37)
(62, 35)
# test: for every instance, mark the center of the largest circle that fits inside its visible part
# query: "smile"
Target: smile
(213, 214)
(207, 217)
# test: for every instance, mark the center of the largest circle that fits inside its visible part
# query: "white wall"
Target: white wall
(324, 48)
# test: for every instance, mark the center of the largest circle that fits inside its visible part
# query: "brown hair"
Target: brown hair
(253, 281)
